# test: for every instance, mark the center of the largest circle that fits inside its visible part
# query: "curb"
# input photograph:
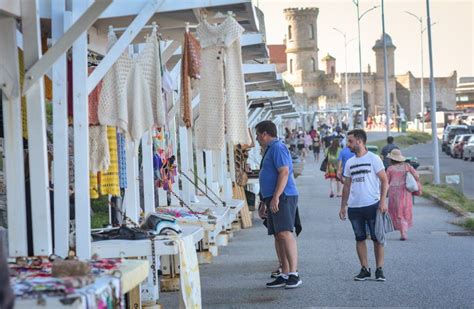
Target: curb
(453, 208)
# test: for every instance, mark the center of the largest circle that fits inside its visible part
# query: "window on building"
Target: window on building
(313, 64)
(333, 70)
(291, 65)
(289, 33)
(391, 97)
(311, 32)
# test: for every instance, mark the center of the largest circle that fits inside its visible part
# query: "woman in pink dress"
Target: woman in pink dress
(400, 201)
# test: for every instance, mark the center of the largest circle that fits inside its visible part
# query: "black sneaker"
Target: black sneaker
(364, 274)
(293, 282)
(279, 282)
(276, 273)
(379, 274)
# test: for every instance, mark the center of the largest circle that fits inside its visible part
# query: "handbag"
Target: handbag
(324, 165)
(410, 182)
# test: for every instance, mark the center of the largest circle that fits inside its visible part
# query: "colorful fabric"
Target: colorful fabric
(122, 160)
(99, 155)
(400, 202)
(109, 181)
(24, 118)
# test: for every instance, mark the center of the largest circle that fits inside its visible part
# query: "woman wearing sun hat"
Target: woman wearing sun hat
(400, 201)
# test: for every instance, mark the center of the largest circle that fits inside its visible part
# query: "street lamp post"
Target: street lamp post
(361, 81)
(434, 132)
(422, 84)
(388, 108)
(351, 119)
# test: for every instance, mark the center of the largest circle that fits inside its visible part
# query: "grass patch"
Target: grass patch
(450, 195)
(100, 212)
(403, 141)
(469, 224)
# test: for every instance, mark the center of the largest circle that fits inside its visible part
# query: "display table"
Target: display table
(164, 245)
(132, 273)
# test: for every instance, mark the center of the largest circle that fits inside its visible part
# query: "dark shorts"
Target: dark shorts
(362, 217)
(284, 219)
(300, 146)
(316, 149)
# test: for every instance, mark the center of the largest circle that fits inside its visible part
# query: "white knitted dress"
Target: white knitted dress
(223, 104)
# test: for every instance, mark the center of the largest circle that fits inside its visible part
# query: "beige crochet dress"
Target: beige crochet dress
(223, 104)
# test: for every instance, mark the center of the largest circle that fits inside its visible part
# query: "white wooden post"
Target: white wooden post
(148, 177)
(200, 165)
(184, 163)
(13, 143)
(132, 192)
(60, 135)
(231, 149)
(190, 158)
(38, 160)
(81, 138)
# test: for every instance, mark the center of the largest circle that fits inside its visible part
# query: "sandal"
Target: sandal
(331, 195)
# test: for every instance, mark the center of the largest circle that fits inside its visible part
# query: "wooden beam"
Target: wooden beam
(81, 138)
(125, 39)
(60, 133)
(39, 68)
(13, 142)
(37, 153)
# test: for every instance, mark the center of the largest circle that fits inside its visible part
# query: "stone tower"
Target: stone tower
(379, 90)
(330, 63)
(301, 45)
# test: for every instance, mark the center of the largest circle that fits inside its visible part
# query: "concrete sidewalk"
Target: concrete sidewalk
(430, 270)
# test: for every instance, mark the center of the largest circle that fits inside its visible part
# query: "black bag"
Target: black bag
(324, 165)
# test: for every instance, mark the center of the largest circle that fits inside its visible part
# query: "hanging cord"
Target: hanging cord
(197, 186)
(125, 218)
(208, 188)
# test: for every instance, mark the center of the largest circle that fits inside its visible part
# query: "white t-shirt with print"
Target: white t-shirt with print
(365, 185)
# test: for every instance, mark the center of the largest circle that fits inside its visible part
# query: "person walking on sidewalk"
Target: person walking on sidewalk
(386, 150)
(365, 189)
(332, 153)
(400, 200)
(278, 189)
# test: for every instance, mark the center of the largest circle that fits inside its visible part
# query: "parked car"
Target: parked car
(450, 132)
(468, 151)
(453, 144)
(459, 147)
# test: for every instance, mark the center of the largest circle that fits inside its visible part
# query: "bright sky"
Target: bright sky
(453, 34)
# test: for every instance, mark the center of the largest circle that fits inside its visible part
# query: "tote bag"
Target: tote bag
(324, 165)
(410, 182)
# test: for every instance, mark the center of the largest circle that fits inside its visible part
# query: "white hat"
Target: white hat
(396, 155)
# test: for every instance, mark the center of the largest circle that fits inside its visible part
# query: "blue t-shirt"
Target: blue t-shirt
(276, 156)
(345, 155)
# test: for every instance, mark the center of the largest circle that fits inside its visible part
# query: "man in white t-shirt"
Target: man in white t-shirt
(365, 189)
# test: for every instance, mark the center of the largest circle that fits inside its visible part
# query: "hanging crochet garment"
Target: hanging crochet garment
(190, 68)
(109, 180)
(113, 86)
(94, 102)
(122, 160)
(221, 71)
(99, 156)
(150, 64)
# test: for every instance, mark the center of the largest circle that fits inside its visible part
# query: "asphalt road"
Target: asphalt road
(430, 270)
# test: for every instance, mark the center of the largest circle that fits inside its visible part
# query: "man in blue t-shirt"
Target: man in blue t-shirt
(279, 193)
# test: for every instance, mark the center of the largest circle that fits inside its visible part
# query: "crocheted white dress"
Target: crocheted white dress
(131, 97)
(223, 104)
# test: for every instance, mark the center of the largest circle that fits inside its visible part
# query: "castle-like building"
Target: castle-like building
(325, 89)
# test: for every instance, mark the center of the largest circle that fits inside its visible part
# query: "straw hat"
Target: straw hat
(396, 155)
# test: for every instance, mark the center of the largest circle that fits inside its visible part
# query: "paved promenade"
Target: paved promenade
(430, 270)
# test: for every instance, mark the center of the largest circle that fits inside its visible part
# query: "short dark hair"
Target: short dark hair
(390, 139)
(359, 134)
(267, 126)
